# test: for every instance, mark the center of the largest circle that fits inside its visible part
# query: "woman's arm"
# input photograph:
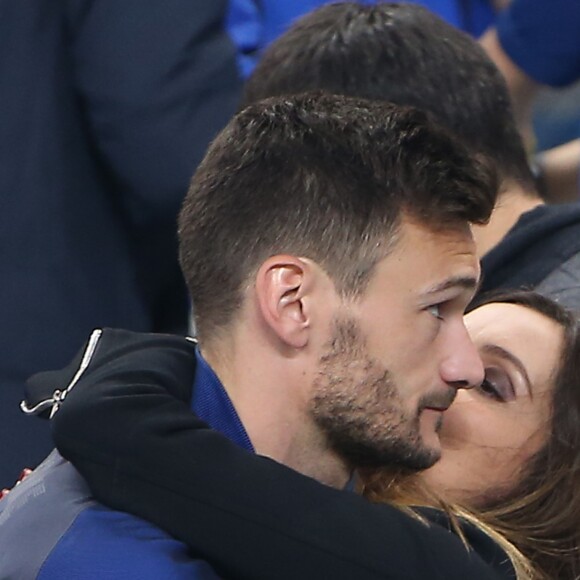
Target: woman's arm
(127, 427)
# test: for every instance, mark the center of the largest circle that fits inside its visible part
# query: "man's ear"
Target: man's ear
(283, 284)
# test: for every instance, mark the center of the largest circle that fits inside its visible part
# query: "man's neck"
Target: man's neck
(271, 401)
(512, 203)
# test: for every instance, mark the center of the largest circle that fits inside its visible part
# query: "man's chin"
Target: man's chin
(419, 459)
(400, 454)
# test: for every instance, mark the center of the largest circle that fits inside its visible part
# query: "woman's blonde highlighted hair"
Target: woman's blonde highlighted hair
(407, 492)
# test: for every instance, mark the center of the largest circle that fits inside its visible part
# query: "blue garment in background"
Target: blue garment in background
(542, 37)
(254, 24)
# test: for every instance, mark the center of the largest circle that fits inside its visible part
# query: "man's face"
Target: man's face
(396, 356)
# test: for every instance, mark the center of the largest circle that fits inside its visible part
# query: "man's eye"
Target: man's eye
(435, 311)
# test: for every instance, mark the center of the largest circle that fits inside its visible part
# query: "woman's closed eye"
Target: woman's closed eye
(497, 385)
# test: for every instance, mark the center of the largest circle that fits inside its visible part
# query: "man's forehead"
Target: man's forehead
(458, 272)
(411, 227)
(434, 260)
(436, 242)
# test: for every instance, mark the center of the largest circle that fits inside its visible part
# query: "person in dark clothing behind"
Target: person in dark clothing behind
(406, 55)
(313, 223)
(105, 110)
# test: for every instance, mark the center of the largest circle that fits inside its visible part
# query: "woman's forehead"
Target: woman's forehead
(504, 316)
(527, 334)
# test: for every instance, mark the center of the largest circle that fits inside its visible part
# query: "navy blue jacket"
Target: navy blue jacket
(106, 107)
(540, 252)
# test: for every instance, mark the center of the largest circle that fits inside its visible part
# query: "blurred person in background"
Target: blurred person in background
(536, 44)
(105, 110)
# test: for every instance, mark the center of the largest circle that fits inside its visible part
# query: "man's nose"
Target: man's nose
(462, 368)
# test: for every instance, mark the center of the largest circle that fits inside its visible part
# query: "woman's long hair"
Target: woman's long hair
(537, 522)
(541, 514)
(406, 491)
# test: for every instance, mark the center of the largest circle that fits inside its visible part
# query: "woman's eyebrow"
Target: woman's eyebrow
(495, 349)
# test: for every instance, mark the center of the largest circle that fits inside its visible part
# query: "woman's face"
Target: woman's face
(490, 431)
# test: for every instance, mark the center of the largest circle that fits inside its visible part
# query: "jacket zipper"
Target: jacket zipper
(59, 395)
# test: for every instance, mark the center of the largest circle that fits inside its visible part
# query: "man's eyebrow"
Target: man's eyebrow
(495, 349)
(467, 282)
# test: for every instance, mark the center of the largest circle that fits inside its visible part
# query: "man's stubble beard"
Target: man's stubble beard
(357, 406)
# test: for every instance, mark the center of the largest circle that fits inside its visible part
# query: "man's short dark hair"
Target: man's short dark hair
(404, 54)
(323, 177)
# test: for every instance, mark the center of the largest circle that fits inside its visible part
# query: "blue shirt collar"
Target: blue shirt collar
(211, 403)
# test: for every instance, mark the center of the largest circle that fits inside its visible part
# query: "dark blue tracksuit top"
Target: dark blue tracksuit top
(52, 528)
